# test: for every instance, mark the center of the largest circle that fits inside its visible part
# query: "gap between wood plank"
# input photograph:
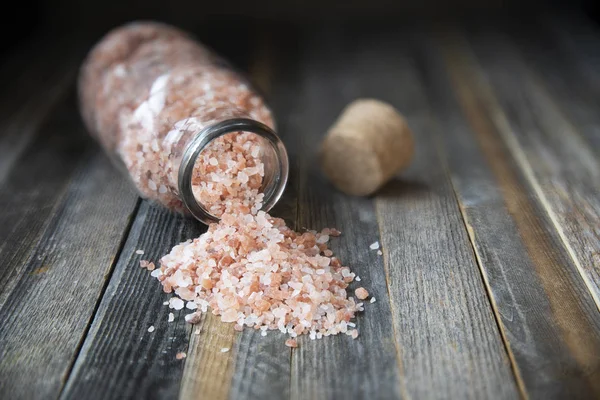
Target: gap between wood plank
(386, 267)
(108, 277)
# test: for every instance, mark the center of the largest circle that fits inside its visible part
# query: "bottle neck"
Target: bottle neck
(274, 157)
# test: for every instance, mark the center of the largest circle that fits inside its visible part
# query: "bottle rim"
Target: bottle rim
(207, 135)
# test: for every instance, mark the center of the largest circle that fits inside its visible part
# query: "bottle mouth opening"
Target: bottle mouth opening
(273, 154)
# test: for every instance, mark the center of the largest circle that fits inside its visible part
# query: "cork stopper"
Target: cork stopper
(368, 145)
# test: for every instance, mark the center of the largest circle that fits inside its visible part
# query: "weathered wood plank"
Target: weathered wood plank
(34, 188)
(120, 358)
(338, 367)
(447, 338)
(558, 163)
(46, 315)
(548, 318)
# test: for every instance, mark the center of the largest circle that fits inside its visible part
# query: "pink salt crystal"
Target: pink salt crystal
(291, 343)
(379, 252)
(147, 265)
(181, 355)
(354, 334)
(361, 293)
(328, 253)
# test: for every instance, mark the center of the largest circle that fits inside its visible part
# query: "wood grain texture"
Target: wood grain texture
(46, 315)
(547, 316)
(33, 190)
(338, 367)
(447, 336)
(558, 163)
(120, 358)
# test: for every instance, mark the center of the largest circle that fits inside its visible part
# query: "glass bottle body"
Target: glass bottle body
(148, 91)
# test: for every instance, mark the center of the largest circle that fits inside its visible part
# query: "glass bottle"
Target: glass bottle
(155, 99)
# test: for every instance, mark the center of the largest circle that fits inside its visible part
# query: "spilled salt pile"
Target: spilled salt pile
(254, 271)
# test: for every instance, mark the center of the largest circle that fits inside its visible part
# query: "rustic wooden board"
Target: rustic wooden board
(562, 169)
(119, 357)
(31, 192)
(547, 316)
(46, 316)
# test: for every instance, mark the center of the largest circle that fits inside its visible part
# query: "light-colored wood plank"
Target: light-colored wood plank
(558, 163)
(548, 318)
(46, 315)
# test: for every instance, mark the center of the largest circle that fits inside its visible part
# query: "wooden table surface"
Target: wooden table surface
(489, 283)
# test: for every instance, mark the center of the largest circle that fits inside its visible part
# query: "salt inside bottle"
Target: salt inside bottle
(188, 130)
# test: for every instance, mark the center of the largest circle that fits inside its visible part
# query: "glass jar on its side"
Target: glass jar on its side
(156, 100)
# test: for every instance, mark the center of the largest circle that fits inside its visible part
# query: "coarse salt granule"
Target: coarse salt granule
(374, 246)
(151, 329)
(224, 349)
(361, 293)
(147, 265)
(171, 317)
(373, 300)
(176, 303)
(139, 252)
(379, 252)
